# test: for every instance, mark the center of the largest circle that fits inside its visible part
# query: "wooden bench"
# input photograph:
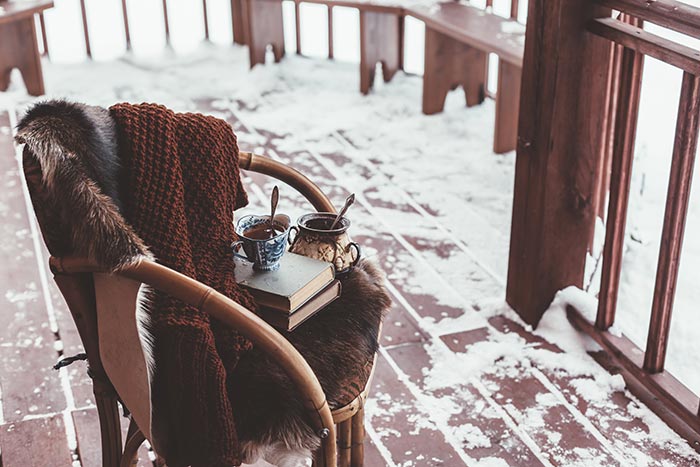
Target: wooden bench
(458, 39)
(19, 46)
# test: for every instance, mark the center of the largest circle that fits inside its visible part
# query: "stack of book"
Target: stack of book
(287, 297)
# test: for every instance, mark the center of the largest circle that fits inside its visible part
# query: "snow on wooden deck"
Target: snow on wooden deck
(460, 381)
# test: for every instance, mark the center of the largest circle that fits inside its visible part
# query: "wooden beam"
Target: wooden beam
(562, 116)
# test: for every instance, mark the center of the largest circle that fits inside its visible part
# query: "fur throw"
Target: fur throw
(118, 180)
(76, 147)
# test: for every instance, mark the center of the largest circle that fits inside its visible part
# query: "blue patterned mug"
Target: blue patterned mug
(265, 253)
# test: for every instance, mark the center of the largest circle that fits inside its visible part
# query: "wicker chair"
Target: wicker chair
(103, 307)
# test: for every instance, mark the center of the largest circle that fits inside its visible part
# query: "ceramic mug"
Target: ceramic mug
(264, 254)
(315, 240)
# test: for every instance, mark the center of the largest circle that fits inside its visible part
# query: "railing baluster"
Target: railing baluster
(127, 32)
(609, 129)
(237, 26)
(623, 153)
(88, 48)
(330, 31)
(166, 22)
(684, 148)
(44, 41)
(514, 9)
(206, 20)
(297, 19)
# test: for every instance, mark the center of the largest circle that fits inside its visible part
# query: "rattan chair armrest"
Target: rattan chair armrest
(288, 175)
(237, 317)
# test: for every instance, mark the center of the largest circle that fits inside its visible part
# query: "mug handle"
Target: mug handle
(234, 247)
(359, 252)
(291, 240)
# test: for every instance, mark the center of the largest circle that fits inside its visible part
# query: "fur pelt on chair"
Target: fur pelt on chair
(77, 150)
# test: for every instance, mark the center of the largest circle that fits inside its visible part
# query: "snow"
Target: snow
(314, 106)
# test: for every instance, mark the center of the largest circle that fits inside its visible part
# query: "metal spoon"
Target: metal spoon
(348, 202)
(273, 206)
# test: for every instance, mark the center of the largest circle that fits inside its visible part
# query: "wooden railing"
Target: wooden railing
(580, 101)
(236, 22)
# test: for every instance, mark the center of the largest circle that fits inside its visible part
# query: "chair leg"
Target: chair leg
(110, 429)
(357, 456)
(449, 64)
(318, 459)
(344, 443)
(134, 440)
(507, 106)
(380, 41)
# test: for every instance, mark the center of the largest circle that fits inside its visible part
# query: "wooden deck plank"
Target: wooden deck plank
(403, 428)
(39, 442)
(616, 416)
(487, 434)
(29, 385)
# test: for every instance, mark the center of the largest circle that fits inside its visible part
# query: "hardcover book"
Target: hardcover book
(289, 321)
(297, 280)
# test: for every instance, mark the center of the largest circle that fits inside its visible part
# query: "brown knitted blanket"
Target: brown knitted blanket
(181, 186)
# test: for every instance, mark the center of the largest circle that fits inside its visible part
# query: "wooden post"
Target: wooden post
(562, 116)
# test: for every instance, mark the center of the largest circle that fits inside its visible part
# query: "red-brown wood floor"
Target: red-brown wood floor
(48, 417)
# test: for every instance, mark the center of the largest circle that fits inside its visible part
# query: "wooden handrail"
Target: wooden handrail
(672, 14)
(635, 38)
(232, 314)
